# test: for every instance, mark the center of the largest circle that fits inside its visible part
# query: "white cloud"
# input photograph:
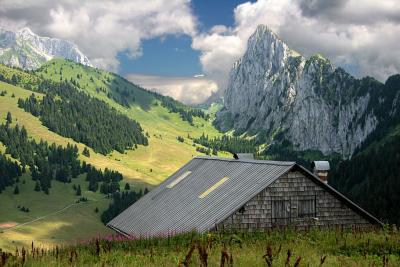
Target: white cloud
(349, 32)
(364, 33)
(100, 28)
(189, 90)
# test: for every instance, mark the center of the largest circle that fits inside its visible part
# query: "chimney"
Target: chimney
(321, 169)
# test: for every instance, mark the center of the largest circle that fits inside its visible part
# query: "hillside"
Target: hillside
(162, 126)
(161, 119)
(371, 177)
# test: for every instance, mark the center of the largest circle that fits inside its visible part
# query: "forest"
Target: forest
(49, 162)
(9, 172)
(371, 179)
(74, 114)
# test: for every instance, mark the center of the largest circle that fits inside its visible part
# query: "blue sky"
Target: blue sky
(176, 39)
(172, 55)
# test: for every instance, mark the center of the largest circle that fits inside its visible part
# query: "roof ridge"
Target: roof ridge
(255, 161)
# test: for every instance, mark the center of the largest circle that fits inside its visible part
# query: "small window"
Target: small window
(280, 209)
(306, 207)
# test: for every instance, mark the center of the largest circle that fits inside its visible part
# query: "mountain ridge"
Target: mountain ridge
(27, 50)
(274, 91)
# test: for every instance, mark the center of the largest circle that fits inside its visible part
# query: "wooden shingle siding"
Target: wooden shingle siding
(293, 200)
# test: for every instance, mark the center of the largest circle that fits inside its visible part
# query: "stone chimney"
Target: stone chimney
(321, 169)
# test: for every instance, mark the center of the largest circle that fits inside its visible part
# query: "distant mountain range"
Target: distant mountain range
(304, 103)
(27, 50)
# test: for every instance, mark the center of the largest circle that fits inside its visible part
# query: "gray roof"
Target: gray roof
(321, 165)
(245, 155)
(176, 206)
(179, 209)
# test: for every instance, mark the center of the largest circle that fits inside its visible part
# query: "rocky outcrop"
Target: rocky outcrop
(27, 50)
(306, 101)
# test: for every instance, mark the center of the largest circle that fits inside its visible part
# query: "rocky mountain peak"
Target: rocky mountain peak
(307, 102)
(25, 31)
(27, 50)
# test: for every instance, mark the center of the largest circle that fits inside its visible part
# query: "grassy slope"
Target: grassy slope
(165, 154)
(76, 222)
(148, 165)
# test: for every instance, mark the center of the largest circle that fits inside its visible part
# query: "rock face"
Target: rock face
(27, 50)
(275, 91)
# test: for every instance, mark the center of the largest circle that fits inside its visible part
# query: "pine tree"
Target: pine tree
(16, 190)
(14, 79)
(9, 117)
(86, 152)
(78, 191)
(96, 210)
(127, 186)
(37, 186)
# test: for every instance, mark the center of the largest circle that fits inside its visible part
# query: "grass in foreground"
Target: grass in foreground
(275, 248)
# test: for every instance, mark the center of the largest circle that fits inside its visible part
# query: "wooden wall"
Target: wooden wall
(293, 200)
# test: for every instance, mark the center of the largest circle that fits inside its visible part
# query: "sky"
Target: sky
(185, 49)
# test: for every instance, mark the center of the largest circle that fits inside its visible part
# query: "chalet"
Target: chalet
(210, 193)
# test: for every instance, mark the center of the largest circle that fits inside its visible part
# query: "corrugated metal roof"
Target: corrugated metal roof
(179, 209)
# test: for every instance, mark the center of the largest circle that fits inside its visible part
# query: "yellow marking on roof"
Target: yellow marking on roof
(215, 186)
(177, 180)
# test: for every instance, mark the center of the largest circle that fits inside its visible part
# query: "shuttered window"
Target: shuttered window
(306, 207)
(281, 211)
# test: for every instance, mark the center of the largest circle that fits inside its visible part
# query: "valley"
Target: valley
(88, 143)
(142, 167)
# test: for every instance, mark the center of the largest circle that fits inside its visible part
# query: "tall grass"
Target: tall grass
(335, 247)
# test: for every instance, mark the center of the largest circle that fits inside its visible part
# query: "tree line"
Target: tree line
(232, 144)
(74, 114)
(121, 201)
(9, 172)
(174, 106)
(50, 162)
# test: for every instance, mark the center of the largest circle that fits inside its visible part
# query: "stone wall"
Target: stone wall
(293, 200)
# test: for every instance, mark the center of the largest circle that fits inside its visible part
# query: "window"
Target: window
(281, 211)
(306, 207)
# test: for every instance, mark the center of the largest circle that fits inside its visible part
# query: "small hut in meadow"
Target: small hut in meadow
(210, 194)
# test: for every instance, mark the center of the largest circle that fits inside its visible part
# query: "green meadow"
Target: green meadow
(145, 166)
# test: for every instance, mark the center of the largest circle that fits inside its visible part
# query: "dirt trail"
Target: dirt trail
(44, 216)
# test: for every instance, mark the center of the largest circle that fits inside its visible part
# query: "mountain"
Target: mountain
(306, 103)
(370, 177)
(25, 49)
(108, 119)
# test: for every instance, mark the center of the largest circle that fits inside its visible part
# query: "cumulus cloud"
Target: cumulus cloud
(189, 90)
(101, 28)
(363, 34)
